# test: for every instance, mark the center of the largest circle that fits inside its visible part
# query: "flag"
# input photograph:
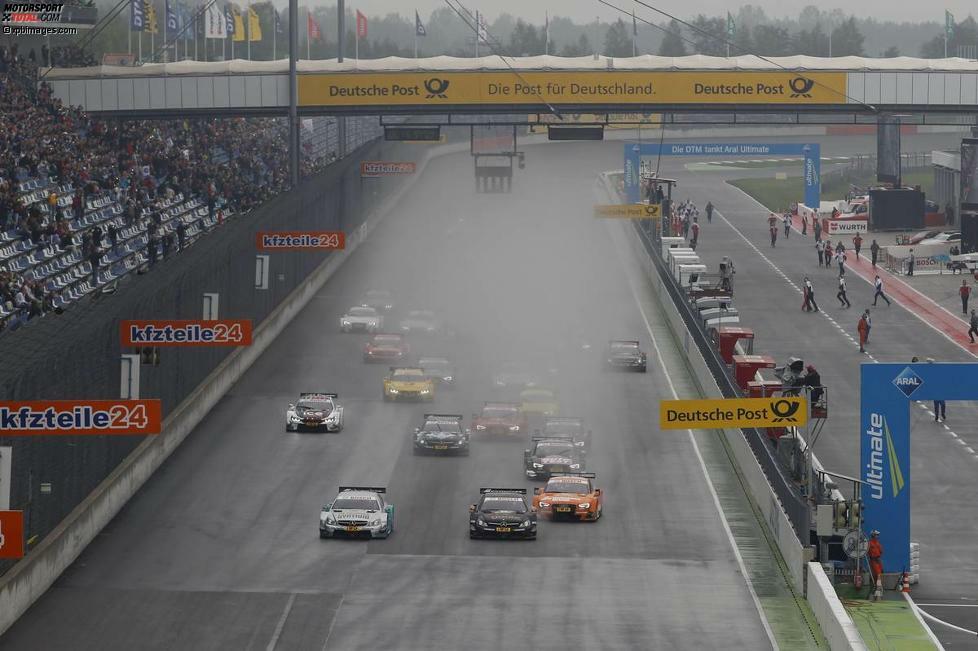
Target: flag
(482, 29)
(216, 24)
(137, 16)
(418, 27)
(278, 21)
(239, 29)
(731, 27)
(546, 28)
(151, 26)
(361, 25)
(171, 18)
(228, 20)
(254, 25)
(948, 24)
(186, 18)
(313, 31)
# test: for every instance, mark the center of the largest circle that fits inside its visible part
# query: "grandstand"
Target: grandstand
(85, 202)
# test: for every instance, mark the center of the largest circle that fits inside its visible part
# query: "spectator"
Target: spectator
(151, 249)
(863, 328)
(181, 234)
(874, 250)
(965, 293)
(113, 233)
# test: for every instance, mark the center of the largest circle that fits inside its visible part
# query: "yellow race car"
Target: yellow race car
(408, 383)
(538, 401)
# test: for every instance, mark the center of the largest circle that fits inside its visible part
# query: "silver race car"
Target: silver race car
(357, 511)
(363, 319)
(314, 411)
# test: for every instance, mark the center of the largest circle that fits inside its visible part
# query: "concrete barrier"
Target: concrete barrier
(30, 578)
(837, 627)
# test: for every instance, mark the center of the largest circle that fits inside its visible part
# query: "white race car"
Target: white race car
(362, 318)
(357, 511)
(314, 411)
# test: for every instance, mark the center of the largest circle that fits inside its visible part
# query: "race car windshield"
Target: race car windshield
(363, 311)
(408, 374)
(442, 427)
(316, 405)
(356, 504)
(554, 449)
(387, 340)
(498, 412)
(563, 428)
(567, 487)
(507, 504)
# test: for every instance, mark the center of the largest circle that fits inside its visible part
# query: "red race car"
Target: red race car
(386, 348)
(569, 495)
(500, 418)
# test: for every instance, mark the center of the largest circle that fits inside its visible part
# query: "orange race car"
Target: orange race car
(569, 495)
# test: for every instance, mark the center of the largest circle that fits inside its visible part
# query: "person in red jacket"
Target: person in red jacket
(863, 329)
(875, 554)
(965, 293)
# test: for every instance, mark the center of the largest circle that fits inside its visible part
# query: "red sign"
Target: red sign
(386, 168)
(361, 25)
(11, 534)
(301, 240)
(80, 417)
(186, 332)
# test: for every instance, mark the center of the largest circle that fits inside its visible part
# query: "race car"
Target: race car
(357, 511)
(500, 418)
(362, 318)
(568, 426)
(538, 401)
(421, 322)
(386, 348)
(407, 383)
(622, 354)
(569, 495)
(439, 369)
(515, 375)
(379, 299)
(502, 513)
(441, 433)
(552, 455)
(314, 411)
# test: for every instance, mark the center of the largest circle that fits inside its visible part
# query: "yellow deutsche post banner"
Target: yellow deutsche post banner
(571, 87)
(628, 210)
(734, 412)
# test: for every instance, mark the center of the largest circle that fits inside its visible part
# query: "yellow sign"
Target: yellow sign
(734, 412)
(628, 210)
(570, 87)
(609, 120)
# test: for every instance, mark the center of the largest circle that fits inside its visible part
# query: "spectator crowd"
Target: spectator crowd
(233, 162)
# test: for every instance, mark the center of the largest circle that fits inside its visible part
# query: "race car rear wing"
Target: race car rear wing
(445, 417)
(404, 368)
(521, 491)
(571, 473)
(552, 438)
(368, 489)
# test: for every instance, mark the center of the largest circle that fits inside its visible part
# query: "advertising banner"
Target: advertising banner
(369, 168)
(734, 412)
(888, 149)
(186, 332)
(847, 226)
(80, 417)
(572, 87)
(300, 240)
(969, 174)
(629, 211)
(11, 534)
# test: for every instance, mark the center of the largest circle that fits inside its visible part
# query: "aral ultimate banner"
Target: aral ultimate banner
(887, 390)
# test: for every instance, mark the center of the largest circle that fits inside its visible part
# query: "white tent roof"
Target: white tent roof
(494, 62)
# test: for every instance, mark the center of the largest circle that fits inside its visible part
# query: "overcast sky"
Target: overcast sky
(588, 10)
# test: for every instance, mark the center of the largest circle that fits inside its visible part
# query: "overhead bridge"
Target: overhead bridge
(799, 85)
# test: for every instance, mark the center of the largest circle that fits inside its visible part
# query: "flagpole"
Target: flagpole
(248, 29)
(477, 25)
(140, 47)
(308, 37)
(274, 36)
(196, 29)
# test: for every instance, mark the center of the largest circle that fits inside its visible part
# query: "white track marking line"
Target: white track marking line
(699, 457)
(281, 624)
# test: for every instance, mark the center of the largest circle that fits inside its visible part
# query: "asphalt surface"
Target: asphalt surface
(220, 549)
(944, 474)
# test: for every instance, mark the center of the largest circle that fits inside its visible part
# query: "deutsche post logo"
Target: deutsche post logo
(436, 88)
(785, 410)
(801, 87)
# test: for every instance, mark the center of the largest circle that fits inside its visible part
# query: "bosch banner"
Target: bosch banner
(301, 241)
(887, 391)
(11, 534)
(370, 168)
(186, 332)
(80, 417)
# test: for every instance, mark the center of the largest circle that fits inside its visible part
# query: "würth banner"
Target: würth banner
(186, 332)
(370, 168)
(80, 417)
(301, 241)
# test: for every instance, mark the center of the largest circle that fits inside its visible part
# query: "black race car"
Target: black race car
(441, 434)
(552, 455)
(571, 426)
(626, 355)
(502, 513)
